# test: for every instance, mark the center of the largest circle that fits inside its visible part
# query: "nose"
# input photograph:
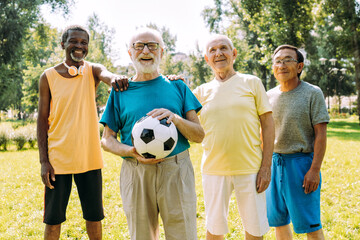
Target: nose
(78, 45)
(146, 49)
(218, 52)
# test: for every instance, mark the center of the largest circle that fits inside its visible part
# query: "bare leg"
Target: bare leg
(283, 232)
(52, 232)
(248, 236)
(209, 236)
(94, 230)
(317, 235)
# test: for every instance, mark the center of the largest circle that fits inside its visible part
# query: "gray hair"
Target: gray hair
(219, 36)
(144, 30)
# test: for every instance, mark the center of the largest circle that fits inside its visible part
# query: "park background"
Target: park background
(30, 43)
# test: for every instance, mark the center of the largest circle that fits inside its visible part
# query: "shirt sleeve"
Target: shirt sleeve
(319, 113)
(109, 116)
(261, 98)
(191, 102)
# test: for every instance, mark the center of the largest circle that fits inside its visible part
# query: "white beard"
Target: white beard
(149, 67)
(76, 59)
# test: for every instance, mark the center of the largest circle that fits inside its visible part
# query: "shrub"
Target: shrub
(4, 139)
(19, 139)
(101, 129)
(30, 134)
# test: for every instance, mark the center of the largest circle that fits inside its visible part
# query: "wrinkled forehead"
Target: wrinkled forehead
(219, 41)
(285, 53)
(147, 36)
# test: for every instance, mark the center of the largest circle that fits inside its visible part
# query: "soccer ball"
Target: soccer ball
(154, 138)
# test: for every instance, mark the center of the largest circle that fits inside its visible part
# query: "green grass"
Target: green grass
(21, 202)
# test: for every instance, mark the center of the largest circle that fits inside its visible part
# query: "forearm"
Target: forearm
(319, 148)
(106, 77)
(111, 144)
(268, 147)
(268, 137)
(190, 130)
(42, 139)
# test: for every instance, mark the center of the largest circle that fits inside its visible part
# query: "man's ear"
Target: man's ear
(300, 67)
(129, 52)
(62, 45)
(206, 58)
(234, 52)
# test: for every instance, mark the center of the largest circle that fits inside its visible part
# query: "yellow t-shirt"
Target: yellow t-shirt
(230, 118)
(73, 135)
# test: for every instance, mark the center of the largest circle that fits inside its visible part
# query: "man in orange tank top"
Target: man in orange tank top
(68, 134)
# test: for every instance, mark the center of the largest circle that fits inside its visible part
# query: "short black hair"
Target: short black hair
(65, 33)
(300, 56)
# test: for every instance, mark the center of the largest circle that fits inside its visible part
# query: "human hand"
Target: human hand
(120, 83)
(161, 113)
(173, 77)
(311, 181)
(263, 179)
(47, 173)
(143, 160)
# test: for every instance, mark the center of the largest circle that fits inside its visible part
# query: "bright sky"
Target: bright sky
(182, 17)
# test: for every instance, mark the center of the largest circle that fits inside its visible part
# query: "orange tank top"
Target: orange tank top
(73, 135)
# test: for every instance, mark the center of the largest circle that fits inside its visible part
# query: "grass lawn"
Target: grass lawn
(22, 193)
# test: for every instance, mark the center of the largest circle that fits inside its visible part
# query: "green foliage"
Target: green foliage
(18, 133)
(101, 51)
(4, 139)
(198, 69)
(19, 139)
(257, 33)
(17, 18)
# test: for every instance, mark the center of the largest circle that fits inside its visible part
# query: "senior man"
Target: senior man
(301, 118)
(237, 155)
(152, 186)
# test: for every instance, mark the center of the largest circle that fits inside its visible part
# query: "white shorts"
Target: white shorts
(251, 205)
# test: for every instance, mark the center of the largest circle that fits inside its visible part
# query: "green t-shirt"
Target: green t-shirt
(123, 109)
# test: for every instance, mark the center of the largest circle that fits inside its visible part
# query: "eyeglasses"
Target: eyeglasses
(285, 61)
(152, 46)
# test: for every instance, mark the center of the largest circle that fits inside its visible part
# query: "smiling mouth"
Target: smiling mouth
(78, 51)
(146, 59)
(220, 60)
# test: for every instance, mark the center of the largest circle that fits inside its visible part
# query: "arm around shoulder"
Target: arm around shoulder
(102, 74)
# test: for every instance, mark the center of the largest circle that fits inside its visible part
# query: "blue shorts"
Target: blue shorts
(285, 197)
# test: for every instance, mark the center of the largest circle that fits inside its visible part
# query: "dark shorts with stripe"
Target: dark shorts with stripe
(89, 185)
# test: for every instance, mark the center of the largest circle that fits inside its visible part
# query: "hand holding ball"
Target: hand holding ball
(153, 138)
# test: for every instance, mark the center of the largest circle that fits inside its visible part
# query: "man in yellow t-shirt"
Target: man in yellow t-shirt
(68, 134)
(237, 155)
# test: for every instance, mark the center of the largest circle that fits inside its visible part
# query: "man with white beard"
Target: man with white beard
(152, 186)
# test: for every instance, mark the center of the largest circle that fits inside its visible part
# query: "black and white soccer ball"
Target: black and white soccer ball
(153, 138)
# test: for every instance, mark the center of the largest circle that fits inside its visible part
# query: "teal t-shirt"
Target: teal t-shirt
(123, 109)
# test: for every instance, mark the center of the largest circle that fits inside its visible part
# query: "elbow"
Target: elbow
(200, 136)
(105, 144)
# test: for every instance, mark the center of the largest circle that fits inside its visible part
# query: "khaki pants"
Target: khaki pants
(167, 188)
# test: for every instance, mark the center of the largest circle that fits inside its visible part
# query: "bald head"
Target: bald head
(219, 37)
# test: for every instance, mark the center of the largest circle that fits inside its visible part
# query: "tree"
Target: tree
(259, 27)
(38, 55)
(346, 16)
(198, 69)
(101, 51)
(17, 18)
